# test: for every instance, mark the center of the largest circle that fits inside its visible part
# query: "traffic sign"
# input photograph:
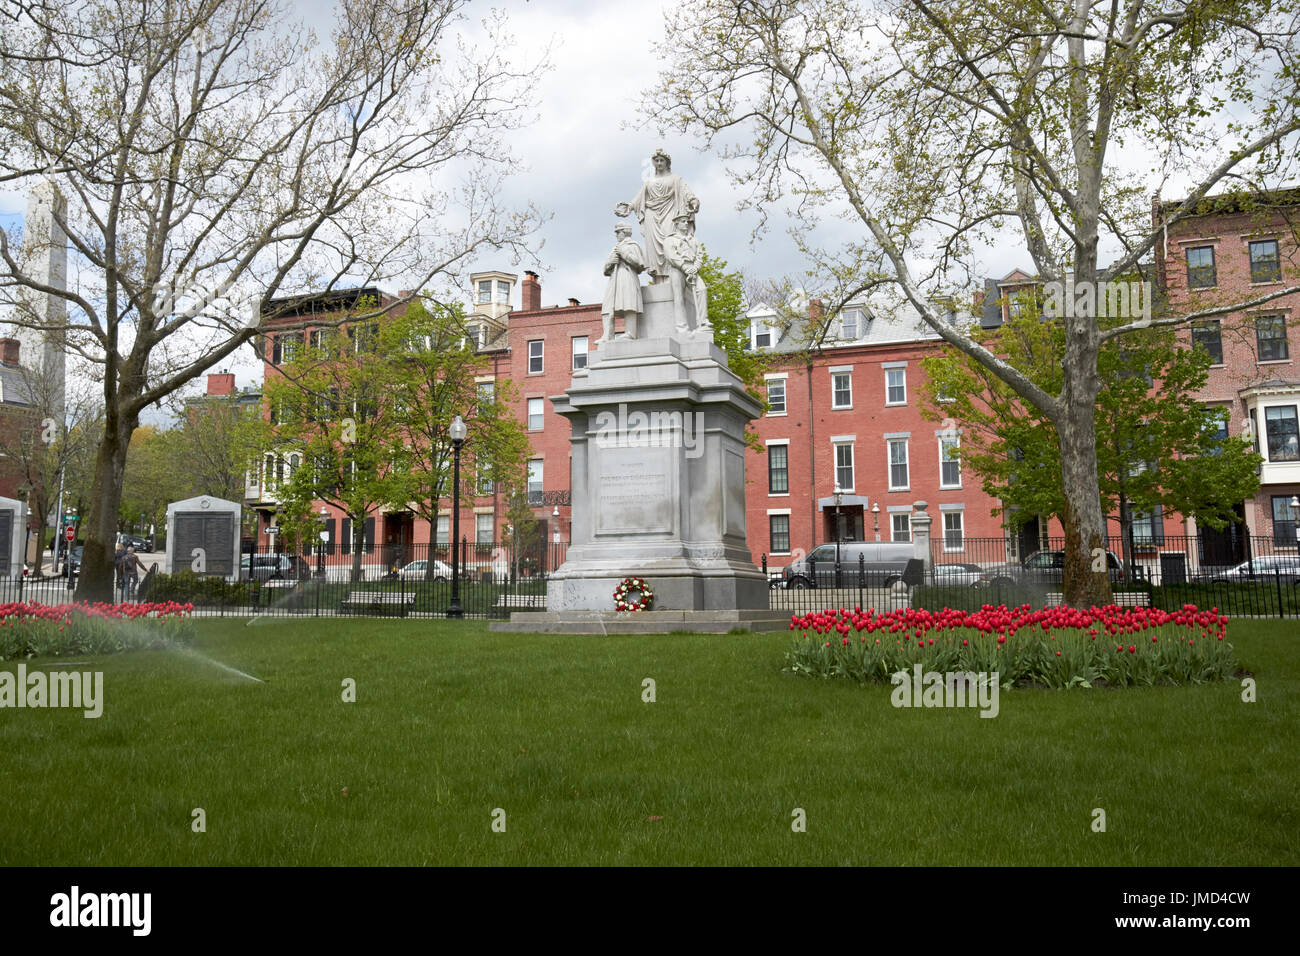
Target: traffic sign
(70, 534)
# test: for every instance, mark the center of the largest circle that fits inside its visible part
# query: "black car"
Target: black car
(134, 541)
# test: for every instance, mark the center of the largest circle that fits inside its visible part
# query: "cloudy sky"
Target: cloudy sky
(586, 150)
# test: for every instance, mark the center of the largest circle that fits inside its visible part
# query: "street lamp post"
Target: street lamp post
(457, 432)
(875, 519)
(1295, 517)
(839, 530)
(324, 539)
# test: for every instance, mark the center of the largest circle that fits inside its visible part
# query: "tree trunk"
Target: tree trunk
(358, 542)
(1087, 581)
(95, 581)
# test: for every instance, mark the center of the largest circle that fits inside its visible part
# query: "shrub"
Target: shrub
(186, 587)
(1057, 647)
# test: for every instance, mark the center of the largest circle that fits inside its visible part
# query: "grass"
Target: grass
(452, 722)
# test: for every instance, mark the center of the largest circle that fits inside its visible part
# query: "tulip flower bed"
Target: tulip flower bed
(43, 630)
(1055, 647)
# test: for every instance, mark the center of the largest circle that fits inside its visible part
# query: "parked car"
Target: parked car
(140, 544)
(1266, 567)
(74, 559)
(882, 562)
(273, 567)
(958, 575)
(415, 571)
(1045, 568)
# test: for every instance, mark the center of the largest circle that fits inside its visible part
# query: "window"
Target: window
(287, 347)
(535, 414)
(1207, 336)
(760, 335)
(898, 464)
(895, 386)
(476, 335)
(1285, 520)
(1148, 526)
(579, 352)
(1216, 427)
(1283, 435)
(776, 396)
(482, 529)
(503, 292)
(485, 291)
(366, 337)
(534, 356)
(317, 339)
(844, 466)
(444, 530)
(841, 390)
(487, 396)
(779, 533)
(778, 469)
(1270, 338)
(1200, 268)
(1265, 264)
(952, 531)
(535, 482)
(483, 472)
(268, 471)
(949, 463)
(850, 323)
(900, 526)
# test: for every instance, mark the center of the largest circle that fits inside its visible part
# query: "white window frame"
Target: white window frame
(902, 371)
(852, 466)
(961, 529)
(850, 329)
(540, 357)
(759, 327)
(540, 474)
(907, 526)
(906, 463)
(442, 533)
(848, 374)
(540, 414)
(779, 513)
(478, 528)
(781, 380)
(586, 348)
(955, 442)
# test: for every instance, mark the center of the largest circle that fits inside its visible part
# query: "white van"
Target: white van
(871, 563)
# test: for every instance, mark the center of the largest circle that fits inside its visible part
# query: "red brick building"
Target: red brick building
(1238, 248)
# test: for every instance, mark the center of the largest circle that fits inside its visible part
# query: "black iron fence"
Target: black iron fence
(491, 580)
(1256, 577)
(1243, 576)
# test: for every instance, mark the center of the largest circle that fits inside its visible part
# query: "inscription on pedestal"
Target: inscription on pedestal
(633, 492)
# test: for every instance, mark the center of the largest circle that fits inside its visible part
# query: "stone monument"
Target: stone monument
(203, 537)
(658, 451)
(13, 537)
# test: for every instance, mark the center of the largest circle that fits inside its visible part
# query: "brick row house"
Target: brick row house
(846, 417)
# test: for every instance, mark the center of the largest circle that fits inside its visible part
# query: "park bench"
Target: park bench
(382, 602)
(1119, 599)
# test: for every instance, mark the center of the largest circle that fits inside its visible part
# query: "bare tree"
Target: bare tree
(214, 155)
(931, 124)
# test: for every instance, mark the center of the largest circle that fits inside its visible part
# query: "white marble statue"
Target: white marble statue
(625, 263)
(690, 297)
(663, 197)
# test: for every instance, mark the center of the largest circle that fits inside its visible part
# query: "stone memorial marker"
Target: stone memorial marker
(208, 525)
(13, 537)
(658, 451)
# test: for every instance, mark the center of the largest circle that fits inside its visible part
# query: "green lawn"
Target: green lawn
(452, 721)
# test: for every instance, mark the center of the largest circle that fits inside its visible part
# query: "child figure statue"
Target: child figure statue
(690, 297)
(623, 291)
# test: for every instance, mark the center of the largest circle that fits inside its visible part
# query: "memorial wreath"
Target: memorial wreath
(627, 586)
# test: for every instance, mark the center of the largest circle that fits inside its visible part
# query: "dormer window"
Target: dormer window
(485, 292)
(850, 324)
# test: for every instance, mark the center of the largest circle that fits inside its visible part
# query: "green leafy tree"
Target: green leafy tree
(932, 125)
(1156, 444)
(333, 415)
(432, 370)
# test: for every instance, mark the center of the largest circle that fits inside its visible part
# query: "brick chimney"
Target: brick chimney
(977, 302)
(816, 309)
(221, 383)
(9, 352)
(574, 302)
(532, 292)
